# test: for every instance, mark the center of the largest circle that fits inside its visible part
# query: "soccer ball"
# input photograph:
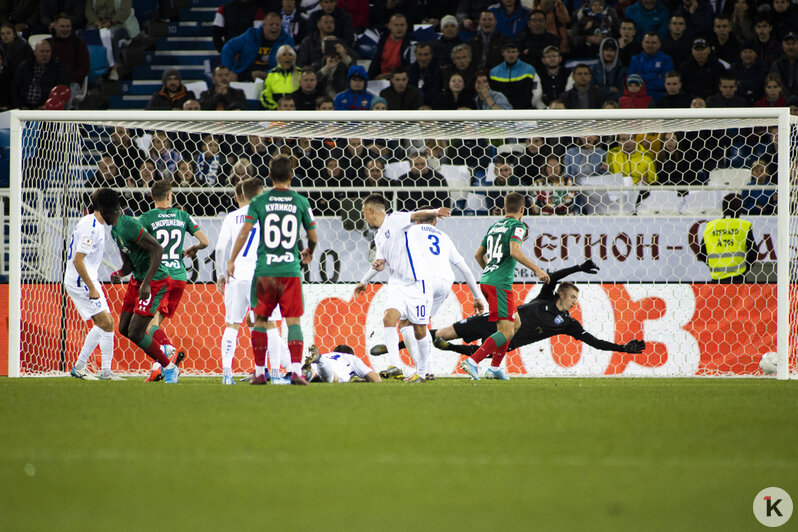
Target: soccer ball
(769, 363)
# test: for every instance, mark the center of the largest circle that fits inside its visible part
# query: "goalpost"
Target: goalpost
(632, 192)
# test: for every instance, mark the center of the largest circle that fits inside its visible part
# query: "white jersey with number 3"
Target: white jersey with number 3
(432, 252)
(87, 238)
(248, 256)
(392, 246)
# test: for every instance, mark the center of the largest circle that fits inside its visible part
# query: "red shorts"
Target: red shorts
(500, 302)
(170, 302)
(132, 303)
(268, 292)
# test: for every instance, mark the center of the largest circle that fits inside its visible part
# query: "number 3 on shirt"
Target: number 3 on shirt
(435, 248)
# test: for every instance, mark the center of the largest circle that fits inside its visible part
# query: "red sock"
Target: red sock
(487, 347)
(499, 356)
(260, 343)
(159, 336)
(295, 347)
(154, 351)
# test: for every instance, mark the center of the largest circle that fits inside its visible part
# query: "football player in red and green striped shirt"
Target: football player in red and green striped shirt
(497, 254)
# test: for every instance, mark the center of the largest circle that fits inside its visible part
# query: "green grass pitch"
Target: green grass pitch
(529, 454)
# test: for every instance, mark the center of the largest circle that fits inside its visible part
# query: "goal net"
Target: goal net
(632, 191)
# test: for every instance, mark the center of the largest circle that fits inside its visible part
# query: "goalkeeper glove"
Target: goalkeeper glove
(589, 267)
(634, 346)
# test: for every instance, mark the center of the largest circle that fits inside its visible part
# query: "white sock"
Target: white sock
(89, 344)
(107, 349)
(275, 351)
(229, 341)
(424, 353)
(411, 344)
(260, 370)
(392, 344)
(296, 367)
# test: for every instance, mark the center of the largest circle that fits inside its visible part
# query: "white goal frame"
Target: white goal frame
(780, 115)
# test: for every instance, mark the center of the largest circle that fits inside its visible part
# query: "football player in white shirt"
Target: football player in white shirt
(237, 291)
(408, 299)
(433, 255)
(84, 256)
(339, 366)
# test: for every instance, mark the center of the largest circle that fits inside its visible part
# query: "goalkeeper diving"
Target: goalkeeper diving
(545, 316)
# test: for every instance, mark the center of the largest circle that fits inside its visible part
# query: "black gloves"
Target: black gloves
(589, 267)
(634, 346)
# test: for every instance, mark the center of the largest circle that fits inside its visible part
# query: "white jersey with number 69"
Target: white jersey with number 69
(248, 256)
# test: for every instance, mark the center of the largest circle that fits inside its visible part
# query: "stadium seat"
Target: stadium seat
(98, 62)
(252, 89)
(733, 177)
(33, 40)
(705, 202)
(511, 148)
(375, 86)
(197, 87)
(394, 170)
(608, 201)
(660, 202)
(456, 176)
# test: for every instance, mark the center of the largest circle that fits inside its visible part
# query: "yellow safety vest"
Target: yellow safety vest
(725, 240)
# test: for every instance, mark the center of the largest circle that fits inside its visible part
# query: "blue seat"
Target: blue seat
(98, 62)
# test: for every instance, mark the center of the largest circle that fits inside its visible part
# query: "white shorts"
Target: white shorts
(237, 300)
(330, 367)
(441, 288)
(87, 307)
(413, 301)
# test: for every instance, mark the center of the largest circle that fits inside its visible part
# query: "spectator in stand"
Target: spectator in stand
(628, 45)
(6, 79)
(528, 169)
(420, 175)
(535, 38)
(792, 102)
(325, 103)
(425, 73)
(594, 23)
(126, 155)
(698, 103)
(241, 170)
(649, 16)
(511, 18)
(767, 46)
(382, 11)
(394, 49)
(635, 95)
(333, 67)
(487, 45)
(379, 104)
(774, 92)
(323, 42)
(727, 97)
(161, 154)
(724, 43)
(15, 49)
(585, 159)
(651, 65)
(462, 63)
(191, 105)
(147, 174)
(209, 163)
(252, 54)
(469, 11)
(758, 202)
(674, 98)
(608, 73)
(742, 19)
(698, 14)
(457, 95)
(22, 14)
(358, 11)
(750, 73)
(621, 6)
(286, 103)
(516, 80)
(786, 66)
(234, 18)
(35, 78)
(292, 20)
(449, 38)
(486, 98)
(308, 92)
(678, 41)
(584, 94)
(257, 151)
(356, 98)
(557, 20)
(701, 73)
(172, 94)
(558, 202)
(221, 96)
(629, 159)
(554, 76)
(343, 22)
(118, 18)
(71, 51)
(400, 95)
(282, 80)
(673, 167)
(50, 9)
(184, 175)
(785, 16)
(502, 177)
(107, 174)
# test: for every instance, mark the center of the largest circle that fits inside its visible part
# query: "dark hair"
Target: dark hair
(629, 21)
(514, 202)
(398, 70)
(536, 11)
(726, 75)
(732, 205)
(377, 200)
(565, 285)
(239, 190)
(651, 34)
(62, 15)
(250, 187)
(674, 74)
(480, 74)
(580, 65)
(160, 189)
(723, 16)
(280, 169)
(323, 99)
(105, 200)
(343, 348)
(763, 17)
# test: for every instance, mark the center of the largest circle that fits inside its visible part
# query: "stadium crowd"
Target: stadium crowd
(442, 54)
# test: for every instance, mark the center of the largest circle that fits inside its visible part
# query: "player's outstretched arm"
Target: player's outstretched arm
(633, 346)
(202, 244)
(156, 252)
(313, 240)
(518, 254)
(587, 267)
(241, 239)
(441, 212)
